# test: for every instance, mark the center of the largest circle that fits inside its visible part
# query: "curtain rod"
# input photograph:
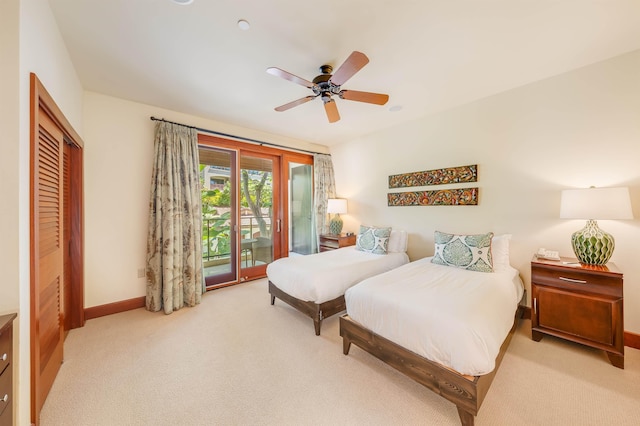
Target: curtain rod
(256, 141)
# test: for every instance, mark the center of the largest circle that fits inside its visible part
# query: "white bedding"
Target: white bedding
(324, 276)
(452, 316)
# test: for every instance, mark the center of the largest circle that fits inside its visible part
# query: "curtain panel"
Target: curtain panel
(324, 188)
(174, 242)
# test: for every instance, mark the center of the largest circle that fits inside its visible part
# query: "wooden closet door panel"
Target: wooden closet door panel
(47, 341)
(56, 245)
(66, 221)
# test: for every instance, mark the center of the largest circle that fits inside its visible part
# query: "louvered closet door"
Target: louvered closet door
(47, 343)
(65, 308)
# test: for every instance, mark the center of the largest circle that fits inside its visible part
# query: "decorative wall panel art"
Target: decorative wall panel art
(442, 197)
(435, 177)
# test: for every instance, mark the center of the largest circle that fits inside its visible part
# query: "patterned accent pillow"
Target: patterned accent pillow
(471, 252)
(373, 240)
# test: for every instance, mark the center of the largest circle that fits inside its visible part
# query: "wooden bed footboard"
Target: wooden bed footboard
(466, 392)
(316, 311)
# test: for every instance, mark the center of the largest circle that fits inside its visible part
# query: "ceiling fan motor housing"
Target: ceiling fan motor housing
(323, 85)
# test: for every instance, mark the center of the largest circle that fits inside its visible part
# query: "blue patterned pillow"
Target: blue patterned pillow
(373, 240)
(471, 252)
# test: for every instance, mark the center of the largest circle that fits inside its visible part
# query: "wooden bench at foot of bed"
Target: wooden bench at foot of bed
(316, 311)
(467, 392)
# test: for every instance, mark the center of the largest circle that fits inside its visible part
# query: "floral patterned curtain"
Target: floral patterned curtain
(325, 188)
(174, 241)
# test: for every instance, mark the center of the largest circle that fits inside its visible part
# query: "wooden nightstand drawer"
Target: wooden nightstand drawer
(6, 369)
(577, 280)
(5, 349)
(5, 394)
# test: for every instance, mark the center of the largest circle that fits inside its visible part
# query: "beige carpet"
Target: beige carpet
(237, 360)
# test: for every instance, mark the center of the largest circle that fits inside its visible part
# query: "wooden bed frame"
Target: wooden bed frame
(467, 392)
(316, 311)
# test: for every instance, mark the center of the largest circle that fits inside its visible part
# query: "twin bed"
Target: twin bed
(315, 284)
(445, 327)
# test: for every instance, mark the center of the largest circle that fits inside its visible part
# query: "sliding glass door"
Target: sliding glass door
(256, 207)
(301, 229)
(259, 221)
(219, 215)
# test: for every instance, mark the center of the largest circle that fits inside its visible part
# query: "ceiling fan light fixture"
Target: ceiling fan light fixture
(243, 24)
(182, 2)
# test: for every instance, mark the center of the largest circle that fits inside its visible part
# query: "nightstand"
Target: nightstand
(580, 303)
(6, 369)
(334, 241)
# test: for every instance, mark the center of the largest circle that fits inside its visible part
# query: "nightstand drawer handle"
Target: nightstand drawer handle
(4, 356)
(571, 280)
(5, 398)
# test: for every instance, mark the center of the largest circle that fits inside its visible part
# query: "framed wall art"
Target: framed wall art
(443, 197)
(460, 174)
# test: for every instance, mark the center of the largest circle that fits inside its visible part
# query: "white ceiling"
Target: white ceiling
(428, 55)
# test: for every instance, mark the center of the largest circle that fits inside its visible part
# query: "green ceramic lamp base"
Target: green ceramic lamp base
(335, 225)
(591, 245)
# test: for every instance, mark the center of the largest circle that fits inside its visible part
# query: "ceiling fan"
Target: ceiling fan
(328, 85)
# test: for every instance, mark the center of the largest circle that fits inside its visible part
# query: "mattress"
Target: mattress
(324, 276)
(451, 316)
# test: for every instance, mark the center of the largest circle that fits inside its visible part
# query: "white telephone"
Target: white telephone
(548, 254)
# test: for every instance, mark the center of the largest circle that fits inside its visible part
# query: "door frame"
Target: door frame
(280, 239)
(298, 158)
(41, 100)
(289, 182)
(277, 219)
(231, 277)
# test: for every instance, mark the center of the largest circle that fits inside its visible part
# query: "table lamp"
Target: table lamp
(337, 206)
(591, 245)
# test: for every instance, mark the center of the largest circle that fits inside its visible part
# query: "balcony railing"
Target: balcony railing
(216, 243)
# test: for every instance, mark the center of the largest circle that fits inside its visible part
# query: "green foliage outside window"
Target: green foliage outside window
(256, 194)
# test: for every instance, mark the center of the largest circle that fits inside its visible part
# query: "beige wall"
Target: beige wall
(9, 164)
(118, 159)
(29, 42)
(575, 130)
(571, 131)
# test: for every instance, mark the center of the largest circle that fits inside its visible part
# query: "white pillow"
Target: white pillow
(398, 241)
(500, 252)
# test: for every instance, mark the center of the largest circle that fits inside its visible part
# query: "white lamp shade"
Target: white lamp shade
(596, 203)
(337, 205)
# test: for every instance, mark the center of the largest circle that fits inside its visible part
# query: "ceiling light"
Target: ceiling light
(183, 2)
(243, 24)
(395, 108)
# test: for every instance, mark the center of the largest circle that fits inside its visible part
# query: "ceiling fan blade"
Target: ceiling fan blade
(331, 109)
(368, 97)
(352, 65)
(295, 103)
(288, 76)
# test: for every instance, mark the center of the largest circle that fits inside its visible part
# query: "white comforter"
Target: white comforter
(454, 317)
(324, 276)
